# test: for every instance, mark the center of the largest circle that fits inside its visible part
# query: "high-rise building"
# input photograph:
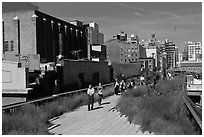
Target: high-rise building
(194, 51)
(169, 48)
(176, 55)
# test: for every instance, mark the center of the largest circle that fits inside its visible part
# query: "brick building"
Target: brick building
(124, 52)
(40, 33)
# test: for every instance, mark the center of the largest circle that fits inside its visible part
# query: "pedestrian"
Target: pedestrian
(122, 86)
(90, 93)
(100, 94)
(116, 87)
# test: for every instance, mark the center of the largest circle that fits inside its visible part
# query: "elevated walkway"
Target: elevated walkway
(103, 120)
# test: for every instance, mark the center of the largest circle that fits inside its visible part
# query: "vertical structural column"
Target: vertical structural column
(3, 37)
(17, 38)
(60, 40)
(34, 38)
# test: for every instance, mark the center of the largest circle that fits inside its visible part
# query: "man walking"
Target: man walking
(100, 93)
(90, 93)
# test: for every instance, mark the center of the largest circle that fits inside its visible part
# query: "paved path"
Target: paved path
(103, 120)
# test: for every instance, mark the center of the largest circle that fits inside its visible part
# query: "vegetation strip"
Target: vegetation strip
(163, 113)
(33, 119)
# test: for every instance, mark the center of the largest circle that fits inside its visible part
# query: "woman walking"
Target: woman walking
(90, 93)
(116, 87)
(100, 94)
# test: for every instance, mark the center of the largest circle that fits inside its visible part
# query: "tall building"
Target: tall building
(94, 37)
(168, 47)
(194, 51)
(124, 52)
(153, 52)
(133, 39)
(121, 36)
(26, 30)
(176, 55)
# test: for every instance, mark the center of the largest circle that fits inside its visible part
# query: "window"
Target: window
(128, 55)
(128, 50)
(132, 49)
(150, 61)
(121, 60)
(125, 60)
(6, 46)
(11, 44)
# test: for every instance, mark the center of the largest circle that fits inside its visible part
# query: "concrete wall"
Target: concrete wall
(13, 77)
(73, 71)
(32, 61)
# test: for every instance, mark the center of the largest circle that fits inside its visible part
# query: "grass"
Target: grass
(33, 120)
(164, 114)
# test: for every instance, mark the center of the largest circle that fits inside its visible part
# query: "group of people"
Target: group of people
(120, 87)
(90, 93)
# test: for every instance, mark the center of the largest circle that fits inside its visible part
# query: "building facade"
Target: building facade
(148, 63)
(33, 32)
(94, 37)
(194, 51)
(124, 52)
(169, 48)
(153, 52)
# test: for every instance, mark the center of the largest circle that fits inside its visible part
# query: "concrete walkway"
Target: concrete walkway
(103, 120)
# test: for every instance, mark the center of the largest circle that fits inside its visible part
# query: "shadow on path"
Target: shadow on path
(105, 103)
(97, 108)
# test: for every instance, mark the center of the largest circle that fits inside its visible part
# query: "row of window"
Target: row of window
(130, 50)
(129, 60)
(8, 47)
(128, 55)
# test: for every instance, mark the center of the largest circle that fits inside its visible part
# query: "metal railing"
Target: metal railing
(12, 107)
(197, 113)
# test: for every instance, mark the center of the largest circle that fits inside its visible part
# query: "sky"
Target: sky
(176, 21)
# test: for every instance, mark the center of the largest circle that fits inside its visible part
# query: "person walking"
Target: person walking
(90, 93)
(116, 87)
(122, 86)
(100, 94)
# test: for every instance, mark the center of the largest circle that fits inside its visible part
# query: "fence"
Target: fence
(13, 107)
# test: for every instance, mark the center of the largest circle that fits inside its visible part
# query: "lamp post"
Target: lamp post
(17, 22)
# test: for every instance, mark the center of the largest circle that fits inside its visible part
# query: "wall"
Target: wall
(113, 51)
(32, 61)
(26, 30)
(72, 70)
(12, 76)
(40, 36)
(55, 36)
(126, 69)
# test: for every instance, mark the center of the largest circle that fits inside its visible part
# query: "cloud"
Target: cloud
(150, 11)
(137, 13)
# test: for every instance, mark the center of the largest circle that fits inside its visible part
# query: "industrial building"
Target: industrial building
(26, 30)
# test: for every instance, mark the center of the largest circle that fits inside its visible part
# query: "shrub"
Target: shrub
(164, 114)
(32, 119)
